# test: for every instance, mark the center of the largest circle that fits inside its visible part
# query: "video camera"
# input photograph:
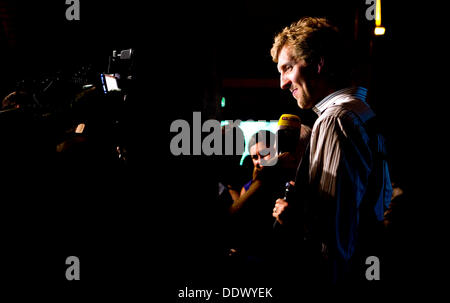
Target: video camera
(92, 95)
(120, 72)
(60, 91)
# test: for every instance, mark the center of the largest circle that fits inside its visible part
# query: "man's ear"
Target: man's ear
(320, 66)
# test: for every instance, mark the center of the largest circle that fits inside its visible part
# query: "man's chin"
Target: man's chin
(301, 104)
(304, 105)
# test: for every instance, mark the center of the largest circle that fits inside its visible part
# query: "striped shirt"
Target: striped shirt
(344, 162)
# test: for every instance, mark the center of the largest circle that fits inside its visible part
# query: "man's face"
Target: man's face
(295, 76)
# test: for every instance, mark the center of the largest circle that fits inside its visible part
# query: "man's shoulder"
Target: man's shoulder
(335, 113)
(343, 117)
(348, 109)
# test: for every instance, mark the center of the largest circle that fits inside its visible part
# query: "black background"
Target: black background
(153, 229)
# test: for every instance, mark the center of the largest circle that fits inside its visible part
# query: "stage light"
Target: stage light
(379, 30)
(378, 13)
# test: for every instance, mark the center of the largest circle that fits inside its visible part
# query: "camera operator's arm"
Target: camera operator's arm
(249, 196)
(234, 193)
(264, 180)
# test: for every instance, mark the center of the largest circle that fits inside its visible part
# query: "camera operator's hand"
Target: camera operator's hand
(257, 173)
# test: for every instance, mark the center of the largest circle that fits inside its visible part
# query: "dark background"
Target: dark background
(152, 226)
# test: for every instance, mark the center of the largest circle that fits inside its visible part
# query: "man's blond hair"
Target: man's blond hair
(313, 39)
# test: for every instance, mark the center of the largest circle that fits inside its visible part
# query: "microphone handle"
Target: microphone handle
(287, 188)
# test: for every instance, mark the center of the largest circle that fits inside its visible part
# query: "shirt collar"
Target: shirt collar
(358, 92)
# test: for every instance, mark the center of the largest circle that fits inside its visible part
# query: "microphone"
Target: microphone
(288, 188)
(288, 136)
(288, 133)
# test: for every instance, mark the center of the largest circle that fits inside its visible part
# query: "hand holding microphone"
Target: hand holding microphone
(281, 204)
(288, 136)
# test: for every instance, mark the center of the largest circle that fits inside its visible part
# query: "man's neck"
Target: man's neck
(323, 90)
